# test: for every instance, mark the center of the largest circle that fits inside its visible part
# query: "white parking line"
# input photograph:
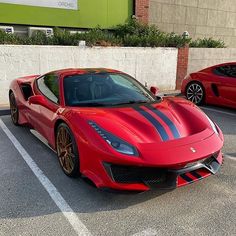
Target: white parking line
(219, 111)
(77, 225)
(230, 157)
(147, 232)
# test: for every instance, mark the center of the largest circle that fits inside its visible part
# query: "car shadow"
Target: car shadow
(31, 200)
(28, 200)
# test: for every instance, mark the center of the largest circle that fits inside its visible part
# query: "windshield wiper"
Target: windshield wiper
(130, 102)
(96, 104)
(90, 104)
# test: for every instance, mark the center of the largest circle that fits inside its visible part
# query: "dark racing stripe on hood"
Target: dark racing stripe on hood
(162, 116)
(158, 126)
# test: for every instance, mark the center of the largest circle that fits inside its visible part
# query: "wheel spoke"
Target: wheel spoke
(68, 145)
(67, 164)
(71, 163)
(62, 159)
(195, 93)
(13, 108)
(65, 150)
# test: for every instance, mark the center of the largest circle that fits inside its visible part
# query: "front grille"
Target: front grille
(129, 174)
(209, 161)
(206, 161)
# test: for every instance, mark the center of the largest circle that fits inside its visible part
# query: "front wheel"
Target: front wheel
(14, 109)
(67, 151)
(195, 93)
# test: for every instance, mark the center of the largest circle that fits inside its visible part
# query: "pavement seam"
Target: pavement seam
(214, 110)
(230, 157)
(57, 198)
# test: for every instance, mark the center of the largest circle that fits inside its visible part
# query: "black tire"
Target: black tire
(195, 93)
(67, 151)
(14, 109)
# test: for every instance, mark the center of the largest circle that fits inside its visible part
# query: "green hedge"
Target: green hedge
(131, 34)
(207, 43)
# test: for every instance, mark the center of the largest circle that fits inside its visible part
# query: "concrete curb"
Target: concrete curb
(4, 111)
(175, 93)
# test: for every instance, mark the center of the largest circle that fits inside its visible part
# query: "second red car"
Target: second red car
(215, 85)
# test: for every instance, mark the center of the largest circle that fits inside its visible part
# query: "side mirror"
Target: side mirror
(38, 100)
(154, 90)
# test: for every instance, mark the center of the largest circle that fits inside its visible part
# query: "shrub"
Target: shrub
(134, 34)
(174, 40)
(8, 38)
(38, 38)
(133, 27)
(130, 34)
(61, 37)
(207, 43)
(99, 37)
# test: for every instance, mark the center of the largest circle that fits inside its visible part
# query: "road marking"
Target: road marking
(67, 211)
(223, 112)
(230, 157)
(147, 232)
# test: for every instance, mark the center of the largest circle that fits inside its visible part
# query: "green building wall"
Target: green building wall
(91, 13)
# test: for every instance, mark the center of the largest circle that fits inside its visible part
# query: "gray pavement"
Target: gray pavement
(207, 207)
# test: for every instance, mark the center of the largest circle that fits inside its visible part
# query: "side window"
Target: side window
(233, 71)
(227, 70)
(49, 87)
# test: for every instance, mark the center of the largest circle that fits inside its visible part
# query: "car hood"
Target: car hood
(170, 121)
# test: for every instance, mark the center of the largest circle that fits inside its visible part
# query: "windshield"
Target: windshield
(104, 89)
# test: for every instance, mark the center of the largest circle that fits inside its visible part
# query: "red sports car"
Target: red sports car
(214, 85)
(109, 128)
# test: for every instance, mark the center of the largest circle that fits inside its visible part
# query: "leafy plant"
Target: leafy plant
(130, 34)
(207, 43)
(134, 33)
(9, 38)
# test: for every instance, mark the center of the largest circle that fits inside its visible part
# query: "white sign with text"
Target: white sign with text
(64, 4)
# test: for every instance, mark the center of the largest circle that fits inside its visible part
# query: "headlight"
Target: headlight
(215, 129)
(116, 143)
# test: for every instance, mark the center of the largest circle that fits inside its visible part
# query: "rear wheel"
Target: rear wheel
(14, 109)
(67, 151)
(195, 93)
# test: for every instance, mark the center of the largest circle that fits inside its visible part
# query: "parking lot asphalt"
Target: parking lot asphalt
(207, 207)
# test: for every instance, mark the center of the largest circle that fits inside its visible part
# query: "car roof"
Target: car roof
(214, 66)
(85, 71)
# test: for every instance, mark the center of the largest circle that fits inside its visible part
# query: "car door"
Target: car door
(227, 83)
(44, 116)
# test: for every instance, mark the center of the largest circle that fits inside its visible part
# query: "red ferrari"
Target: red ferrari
(106, 126)
(215, 85)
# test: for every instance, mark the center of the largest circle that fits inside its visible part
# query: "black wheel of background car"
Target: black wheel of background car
(195, 93)
(67, 151)
(14, 109)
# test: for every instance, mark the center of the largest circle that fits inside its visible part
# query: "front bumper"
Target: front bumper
(96, 164)
(161, 178)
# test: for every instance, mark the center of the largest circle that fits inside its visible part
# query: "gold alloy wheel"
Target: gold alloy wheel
(65, 150)
(13, 108)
